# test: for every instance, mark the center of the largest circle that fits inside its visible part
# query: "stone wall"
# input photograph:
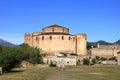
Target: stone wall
(56, 43)
(104, 50)
(60, 60)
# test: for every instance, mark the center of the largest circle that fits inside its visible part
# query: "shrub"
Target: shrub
(52, 64)
(103, 59)
(94, 61)
(113, 58)
(86, 61)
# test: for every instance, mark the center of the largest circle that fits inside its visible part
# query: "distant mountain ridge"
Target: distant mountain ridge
(118, 42)
(102, 42)
(6, 43)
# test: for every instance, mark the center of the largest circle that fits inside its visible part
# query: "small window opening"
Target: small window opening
(50, 37)
(42, 37)
(62, 37)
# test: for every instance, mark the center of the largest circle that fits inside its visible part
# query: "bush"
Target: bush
(52, 64)
(94, 61)
(12, 56)
(86, 61)
(113, 58)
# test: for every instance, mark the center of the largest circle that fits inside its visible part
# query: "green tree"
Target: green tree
(12, 56)
(9, 58)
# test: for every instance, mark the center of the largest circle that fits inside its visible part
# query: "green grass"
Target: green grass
(97, 72)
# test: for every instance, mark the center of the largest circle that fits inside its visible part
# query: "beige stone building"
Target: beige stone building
(55, 38)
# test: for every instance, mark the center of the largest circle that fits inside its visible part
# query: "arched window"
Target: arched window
(50, 37)
(62, 37)
(42, 37)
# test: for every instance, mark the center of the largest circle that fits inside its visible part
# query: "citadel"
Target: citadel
(55, 39)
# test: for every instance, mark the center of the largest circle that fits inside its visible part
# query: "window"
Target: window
(52, 29)
(69, 37)
(50, 37)
(37, 38)
(62, 37)
(42, 37)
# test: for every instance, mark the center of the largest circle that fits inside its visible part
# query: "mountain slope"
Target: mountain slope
(118, 42)
(101, 42)
(6, 43)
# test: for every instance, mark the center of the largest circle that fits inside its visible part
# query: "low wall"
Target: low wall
(60, 60)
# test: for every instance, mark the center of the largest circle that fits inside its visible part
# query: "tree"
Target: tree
(12, 56)
(9, 58)
(0, 49)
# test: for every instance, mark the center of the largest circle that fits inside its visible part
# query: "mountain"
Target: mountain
(117, 42)
(6, 43)
(101, 42)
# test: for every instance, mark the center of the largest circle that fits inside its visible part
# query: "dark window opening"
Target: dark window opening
(42, 37)
(52, 29)
(37, 38)
(50, 37)
(69, 38)
(62, 37)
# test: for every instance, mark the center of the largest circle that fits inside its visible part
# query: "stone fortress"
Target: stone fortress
(54, 39)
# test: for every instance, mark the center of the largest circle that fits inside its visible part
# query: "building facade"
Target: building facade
(55, 38)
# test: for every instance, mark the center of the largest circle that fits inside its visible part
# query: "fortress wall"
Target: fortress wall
(105, 52)
(56, 44)
(81, 44)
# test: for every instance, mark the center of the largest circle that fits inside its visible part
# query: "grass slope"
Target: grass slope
(97, 72)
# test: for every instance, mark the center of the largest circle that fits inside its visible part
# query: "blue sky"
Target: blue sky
(99, 19)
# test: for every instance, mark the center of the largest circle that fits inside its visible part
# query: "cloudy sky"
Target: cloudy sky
(99, 19)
